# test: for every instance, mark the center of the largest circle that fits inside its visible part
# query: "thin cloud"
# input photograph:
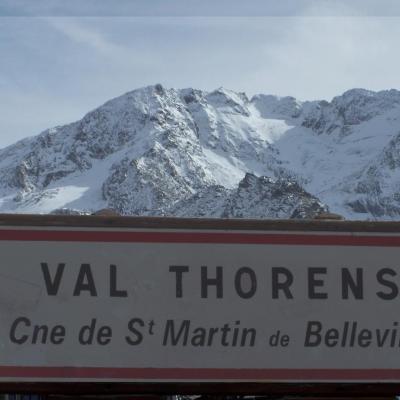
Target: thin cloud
(83, 35)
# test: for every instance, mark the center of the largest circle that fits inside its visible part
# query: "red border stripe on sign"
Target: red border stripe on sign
(198, 237)
(193, 374)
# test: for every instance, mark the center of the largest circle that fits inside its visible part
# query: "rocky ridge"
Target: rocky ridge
(158, 151)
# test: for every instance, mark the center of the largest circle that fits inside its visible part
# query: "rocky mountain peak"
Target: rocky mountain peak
(352, 108)
(271, 106)
(189, 152)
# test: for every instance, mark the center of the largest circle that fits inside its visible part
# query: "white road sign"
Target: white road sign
(156, 305)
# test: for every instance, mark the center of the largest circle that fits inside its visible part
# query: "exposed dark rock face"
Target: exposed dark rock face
(255, 197)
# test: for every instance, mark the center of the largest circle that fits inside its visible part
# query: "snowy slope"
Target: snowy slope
(158, 151)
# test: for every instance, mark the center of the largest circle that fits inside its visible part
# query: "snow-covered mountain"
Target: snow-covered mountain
(158, 151)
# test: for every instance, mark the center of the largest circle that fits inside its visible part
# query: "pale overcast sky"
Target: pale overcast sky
(59, 60)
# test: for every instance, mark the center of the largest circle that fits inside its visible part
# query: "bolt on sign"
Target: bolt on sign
(154, 300)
